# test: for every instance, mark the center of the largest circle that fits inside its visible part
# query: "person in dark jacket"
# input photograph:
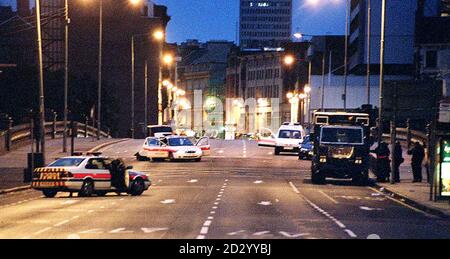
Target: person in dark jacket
(383, 162)
(418, 154)
(398, 160)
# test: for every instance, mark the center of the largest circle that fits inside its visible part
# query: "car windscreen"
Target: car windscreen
(290, 134)
(153, 142)
(179, 142)
(67, 162)
(342, 136)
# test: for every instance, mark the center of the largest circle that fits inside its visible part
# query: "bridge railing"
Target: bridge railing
(21, 134)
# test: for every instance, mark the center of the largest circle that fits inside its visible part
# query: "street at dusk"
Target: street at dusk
(233, 123)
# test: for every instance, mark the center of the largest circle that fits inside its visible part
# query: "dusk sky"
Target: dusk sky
(216, 19)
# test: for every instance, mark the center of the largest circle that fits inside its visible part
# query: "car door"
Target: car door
(96, 169)
(154, 148)
(266, 138)
(204, 145)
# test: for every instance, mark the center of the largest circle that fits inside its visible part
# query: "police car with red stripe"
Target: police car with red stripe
(174, 148)
(89, 175)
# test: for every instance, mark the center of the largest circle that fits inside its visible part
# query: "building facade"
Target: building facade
(265, 23)
(202, 75)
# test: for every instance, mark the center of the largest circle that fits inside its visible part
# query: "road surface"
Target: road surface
(241, 192)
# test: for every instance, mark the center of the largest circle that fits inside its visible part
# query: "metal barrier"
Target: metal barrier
(18, 135)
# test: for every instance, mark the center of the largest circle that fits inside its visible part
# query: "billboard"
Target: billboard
(445, 167)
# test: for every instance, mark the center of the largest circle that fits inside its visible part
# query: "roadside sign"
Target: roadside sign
(445, 168)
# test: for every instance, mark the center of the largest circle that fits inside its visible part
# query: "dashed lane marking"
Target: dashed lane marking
(329, 197)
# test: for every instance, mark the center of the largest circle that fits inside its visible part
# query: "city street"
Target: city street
(241, 192)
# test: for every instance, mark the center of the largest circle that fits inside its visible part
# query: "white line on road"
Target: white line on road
(329, 197)
(62, 223)
(207, 223)
(350, 233)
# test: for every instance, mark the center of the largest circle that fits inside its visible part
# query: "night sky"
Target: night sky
(217, 19)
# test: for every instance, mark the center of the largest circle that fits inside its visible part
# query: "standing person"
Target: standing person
(383, 162)
(427, 163)
(398, 160)
(418, 154)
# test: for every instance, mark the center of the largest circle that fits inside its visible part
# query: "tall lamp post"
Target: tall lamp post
(100, 64)
(41, 79)
(382, 43)
(66, 74)
(159, 36)
(347, 17)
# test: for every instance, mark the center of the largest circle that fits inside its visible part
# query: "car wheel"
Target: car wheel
(301, 157)
(171, 158)
(361, 179)
(277, 151)
(317, 178)
(87, 189)
(101, 193)
(198, 159)
(140, 158)
(49, 193)
(137, 188)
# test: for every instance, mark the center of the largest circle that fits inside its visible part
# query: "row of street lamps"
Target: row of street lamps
(158, 35)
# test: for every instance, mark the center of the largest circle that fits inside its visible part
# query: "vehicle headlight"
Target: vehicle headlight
(359, 161)
(323, 159)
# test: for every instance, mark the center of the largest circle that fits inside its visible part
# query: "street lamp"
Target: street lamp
(41, 79)
(159, 36)
(289, 60)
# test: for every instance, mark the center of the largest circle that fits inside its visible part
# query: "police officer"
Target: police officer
(383, 162)
(398, 160)
(418, 154)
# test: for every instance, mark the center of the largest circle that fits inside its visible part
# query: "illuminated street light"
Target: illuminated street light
(168, 59)
(290, 95)
(289, 60)
(158, 35)
(307, 89)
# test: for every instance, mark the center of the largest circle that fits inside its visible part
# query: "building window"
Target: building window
(431, 59)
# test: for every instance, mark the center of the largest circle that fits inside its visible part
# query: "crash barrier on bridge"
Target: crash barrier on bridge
(17, 136)
(403, 134)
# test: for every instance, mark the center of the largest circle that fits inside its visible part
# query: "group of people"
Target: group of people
(418, 155)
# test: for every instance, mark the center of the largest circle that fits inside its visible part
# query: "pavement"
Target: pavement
(12, 164)
(242, 191)
(415, 194)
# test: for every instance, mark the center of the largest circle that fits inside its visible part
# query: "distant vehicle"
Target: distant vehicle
(341, 146)
(288, 138)
(89, 175)
(306, 149)
(159, 131)
(174, 148)
(266, 138)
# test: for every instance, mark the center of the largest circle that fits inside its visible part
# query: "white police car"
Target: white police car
(89, 175)
(174, 148)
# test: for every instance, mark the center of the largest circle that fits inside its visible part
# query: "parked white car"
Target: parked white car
(174, 148)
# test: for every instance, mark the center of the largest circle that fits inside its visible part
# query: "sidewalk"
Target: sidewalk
(13, 163)
(415, 194)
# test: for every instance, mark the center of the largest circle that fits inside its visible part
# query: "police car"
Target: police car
(89, 175)
(174, 148)
(288, 138)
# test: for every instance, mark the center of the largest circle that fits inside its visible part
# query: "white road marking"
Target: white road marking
(329, 197)
(70, 202)
(258, 182)
(152, 230)
(212, 212)
(216, 203)
(289, 235)
(73, 236)
(204, 230)
(370, 209)
(401, 203)
(350, 233)
(210, 218)
(373, 236)
(169, 201)
(207, 223)
(294, 188)
(236, 233)
(215, 208)
(121, 231)
(193, 181)
(62, 223)
(323, 212)
(265, 203)
(201, 237)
